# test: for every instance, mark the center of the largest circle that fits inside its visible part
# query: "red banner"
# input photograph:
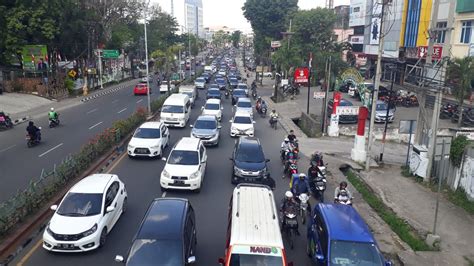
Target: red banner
(337, 100)
(301, 75)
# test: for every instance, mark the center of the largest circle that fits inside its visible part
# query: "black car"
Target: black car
(214, 94)
(249, 163)
(222, 83)
(343, 119)
(238, 93)
(167, 235)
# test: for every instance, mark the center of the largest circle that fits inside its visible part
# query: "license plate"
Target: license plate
(178, 182)
(66, 246)
(304, 205)
(292, 222)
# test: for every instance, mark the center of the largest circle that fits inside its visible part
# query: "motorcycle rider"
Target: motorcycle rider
(288, 203)
(300, 185)
(53, 115)
(258, 104)
(33, 131)
(317, 159)
(285, 146)
(337, 192)
(292, 136)
(314, 173)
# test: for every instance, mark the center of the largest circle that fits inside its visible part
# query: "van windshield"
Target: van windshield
(255, 260)
(354, 253)
(177, 109)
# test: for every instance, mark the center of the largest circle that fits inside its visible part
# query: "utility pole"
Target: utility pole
(326, 98)
(378, 74)
(100, 68)
(146, 61)
(389, 104)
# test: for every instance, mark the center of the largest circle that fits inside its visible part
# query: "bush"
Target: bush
(457, 149)
(69, 85)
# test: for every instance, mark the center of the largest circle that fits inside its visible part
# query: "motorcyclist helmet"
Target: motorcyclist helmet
(343, 185)
(286, 140)
(259, 97)
(31, 123)
(302, 176)
(289, 194)
(273, 111)
(52, 109)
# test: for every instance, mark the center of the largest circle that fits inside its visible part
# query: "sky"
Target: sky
(218, 13)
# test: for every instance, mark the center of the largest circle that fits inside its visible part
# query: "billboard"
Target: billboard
(375, 25)
(357, 13)
(32, 54)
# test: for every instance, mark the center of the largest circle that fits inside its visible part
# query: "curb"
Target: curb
(102, 93)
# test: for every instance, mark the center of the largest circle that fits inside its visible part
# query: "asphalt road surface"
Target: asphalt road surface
(141, 178)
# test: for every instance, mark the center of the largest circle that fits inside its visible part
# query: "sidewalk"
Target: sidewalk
(409, 200)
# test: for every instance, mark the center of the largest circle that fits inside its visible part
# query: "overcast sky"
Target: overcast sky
(228, 12)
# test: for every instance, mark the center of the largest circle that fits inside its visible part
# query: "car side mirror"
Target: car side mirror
(221, 261)
(231, 158)
(222, 108)
(110, 209)
(388, 263)
(253, 122)
(191, 126)
(202, 108)
(230, 121)
(192, 259)
(320, 257)
(54, 207)
(119, 258)
(219, 126)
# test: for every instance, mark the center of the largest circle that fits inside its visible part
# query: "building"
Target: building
(357, 21)
(193, 17)
(462, 39)
(342, 32)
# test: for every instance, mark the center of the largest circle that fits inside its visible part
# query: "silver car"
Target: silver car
(381, 112)
(244, 105)
(207, 129)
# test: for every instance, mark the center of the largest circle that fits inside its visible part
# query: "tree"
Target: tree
(460, 77)
(235, 38)
(220, 38)
(286, 58)
(165, 59)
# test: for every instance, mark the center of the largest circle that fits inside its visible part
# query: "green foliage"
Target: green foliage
(406, 171)
(397, 224)
(456, 152)
(69, 85)
(235, 38)
(220, 38)
(459, 198)
(460, 74)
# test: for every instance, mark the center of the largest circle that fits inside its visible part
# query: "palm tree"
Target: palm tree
(166, 59)
(460, 76)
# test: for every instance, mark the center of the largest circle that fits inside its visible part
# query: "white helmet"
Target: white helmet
(52, 109)
(287, 139)
(302, 175)
(288, 194)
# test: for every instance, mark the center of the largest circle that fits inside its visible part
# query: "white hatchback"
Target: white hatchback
(149, 140)
(87, 213)
(186, 166)
(213, 107)
(242, 124)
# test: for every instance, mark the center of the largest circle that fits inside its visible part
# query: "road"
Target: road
(141, 178)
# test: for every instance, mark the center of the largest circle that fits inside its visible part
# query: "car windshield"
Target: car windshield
(200, 80)
(255, 260)
(239, 92)
(177, 109)
(81, 204)
(184, 157)
(211, 106)
(147, 133)
(145, 252)
(381, 106)
(244, 104)
(205, 124)
(243, 87)
(220, 81)
(213, 91)
(234, 80)
(354, 253)
(242, 120)
(213, 86)
(345, 103)
(250, 154)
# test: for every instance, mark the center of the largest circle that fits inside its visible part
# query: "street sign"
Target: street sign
(72, 73)
(301, 75)
(437, 52)
(407, 127)
(347, 110)
(275, 44)
(110, 53)
(319, 95)
(284, 82)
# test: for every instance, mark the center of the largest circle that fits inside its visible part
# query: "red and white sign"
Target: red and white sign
(301, 75)
(275, 44)
(437, 52)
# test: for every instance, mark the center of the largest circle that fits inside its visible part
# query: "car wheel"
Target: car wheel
(161, 153)
(103, 237)
(124, 205)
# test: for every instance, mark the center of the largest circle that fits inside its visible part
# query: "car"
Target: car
(167, 234)
(242, 124)
(207, 129)
(266, 74)
(243, 86)
(244, 105)
(233, 82)
(213, 86)
(222, 83)
(186, 166)
(149, 140)
(217, 76)
(200, 83)
(190, 91)
(236, 94)
(381, 112)
(140, 89)
(214, 94)
(164, 87)
(249, 164)
(86, 214)
(176, 110)
(222, 72)
(146, 79)
(207, 76)
(337, 233)
(343, 118)
(213, 107)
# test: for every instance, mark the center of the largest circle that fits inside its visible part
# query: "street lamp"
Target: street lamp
(146, 58)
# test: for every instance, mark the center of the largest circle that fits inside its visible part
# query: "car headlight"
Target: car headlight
(155, 147)
(233, 129)
(50, 232)
(263, 172)
(165, 174)
(194, 175)
(250, 130)
(238, 170)
(90, 231)
(131, 147)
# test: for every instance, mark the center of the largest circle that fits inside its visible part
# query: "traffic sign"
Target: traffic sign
(110, 53)
(72, 73)
(301, 75)
(275, 44)
(319, 95)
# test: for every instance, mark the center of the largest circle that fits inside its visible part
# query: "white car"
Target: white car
(222, 72)
(242, 124)
(244, 105)
(200, 83)
(186, 166)
(244, 87)
(266, 74)
(86, 214)
(213, 107)
(149, 140)
(164, 87)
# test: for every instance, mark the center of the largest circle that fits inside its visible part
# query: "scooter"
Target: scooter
(254, 94)
(304, 206)
(273, 122)
(227, 94)
(290, 225)
(33, 142)
(318, 186)
(263, 111)
(54, 122)
(5, 121)
(343, 198)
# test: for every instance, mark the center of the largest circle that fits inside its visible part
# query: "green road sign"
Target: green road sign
(110, 53)
(175, 76)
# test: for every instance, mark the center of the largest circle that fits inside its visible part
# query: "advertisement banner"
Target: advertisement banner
(357, 13)
(357, 40)
(375, 25)
(301, 75)
(32, 55)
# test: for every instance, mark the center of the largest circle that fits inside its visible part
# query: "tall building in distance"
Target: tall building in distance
(193, 17)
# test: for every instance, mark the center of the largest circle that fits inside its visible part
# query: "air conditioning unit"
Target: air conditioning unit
(419, 160)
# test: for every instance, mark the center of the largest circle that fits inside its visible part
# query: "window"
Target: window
(201, 152)
(441, 36)
(111, 193)
(466, 31)
(322, 235)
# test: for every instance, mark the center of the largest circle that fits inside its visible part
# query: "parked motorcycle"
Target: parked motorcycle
(30, 142)
(5, 121)
(290, 225)
(343, 198)
(447, 111)
(304, 206)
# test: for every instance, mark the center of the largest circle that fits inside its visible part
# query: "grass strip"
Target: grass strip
(398, 225)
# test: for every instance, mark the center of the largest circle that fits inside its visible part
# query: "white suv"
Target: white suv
(185, 166)
(242, 124)
(213, 107)
(149, 140)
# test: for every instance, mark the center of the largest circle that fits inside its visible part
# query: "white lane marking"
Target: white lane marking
(139, 101)
(6, 149)
(114, 101)
(121, 110)
(91, 111)
(163, 195)
(52, 149)
(95, 125)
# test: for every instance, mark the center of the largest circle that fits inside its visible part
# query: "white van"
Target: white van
(190, 91)
(176, 110)
(209, 68)
(253, 231)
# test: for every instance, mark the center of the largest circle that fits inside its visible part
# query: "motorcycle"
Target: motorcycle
(30, 142)
(343, 198)
(290, 225)
(227, 94)
(54, 122)
(291, 171)
(5, 121)
(263, 111)
(447, 111)
(273, 122)
(304, 206)
(254, 94)
(318, 186)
